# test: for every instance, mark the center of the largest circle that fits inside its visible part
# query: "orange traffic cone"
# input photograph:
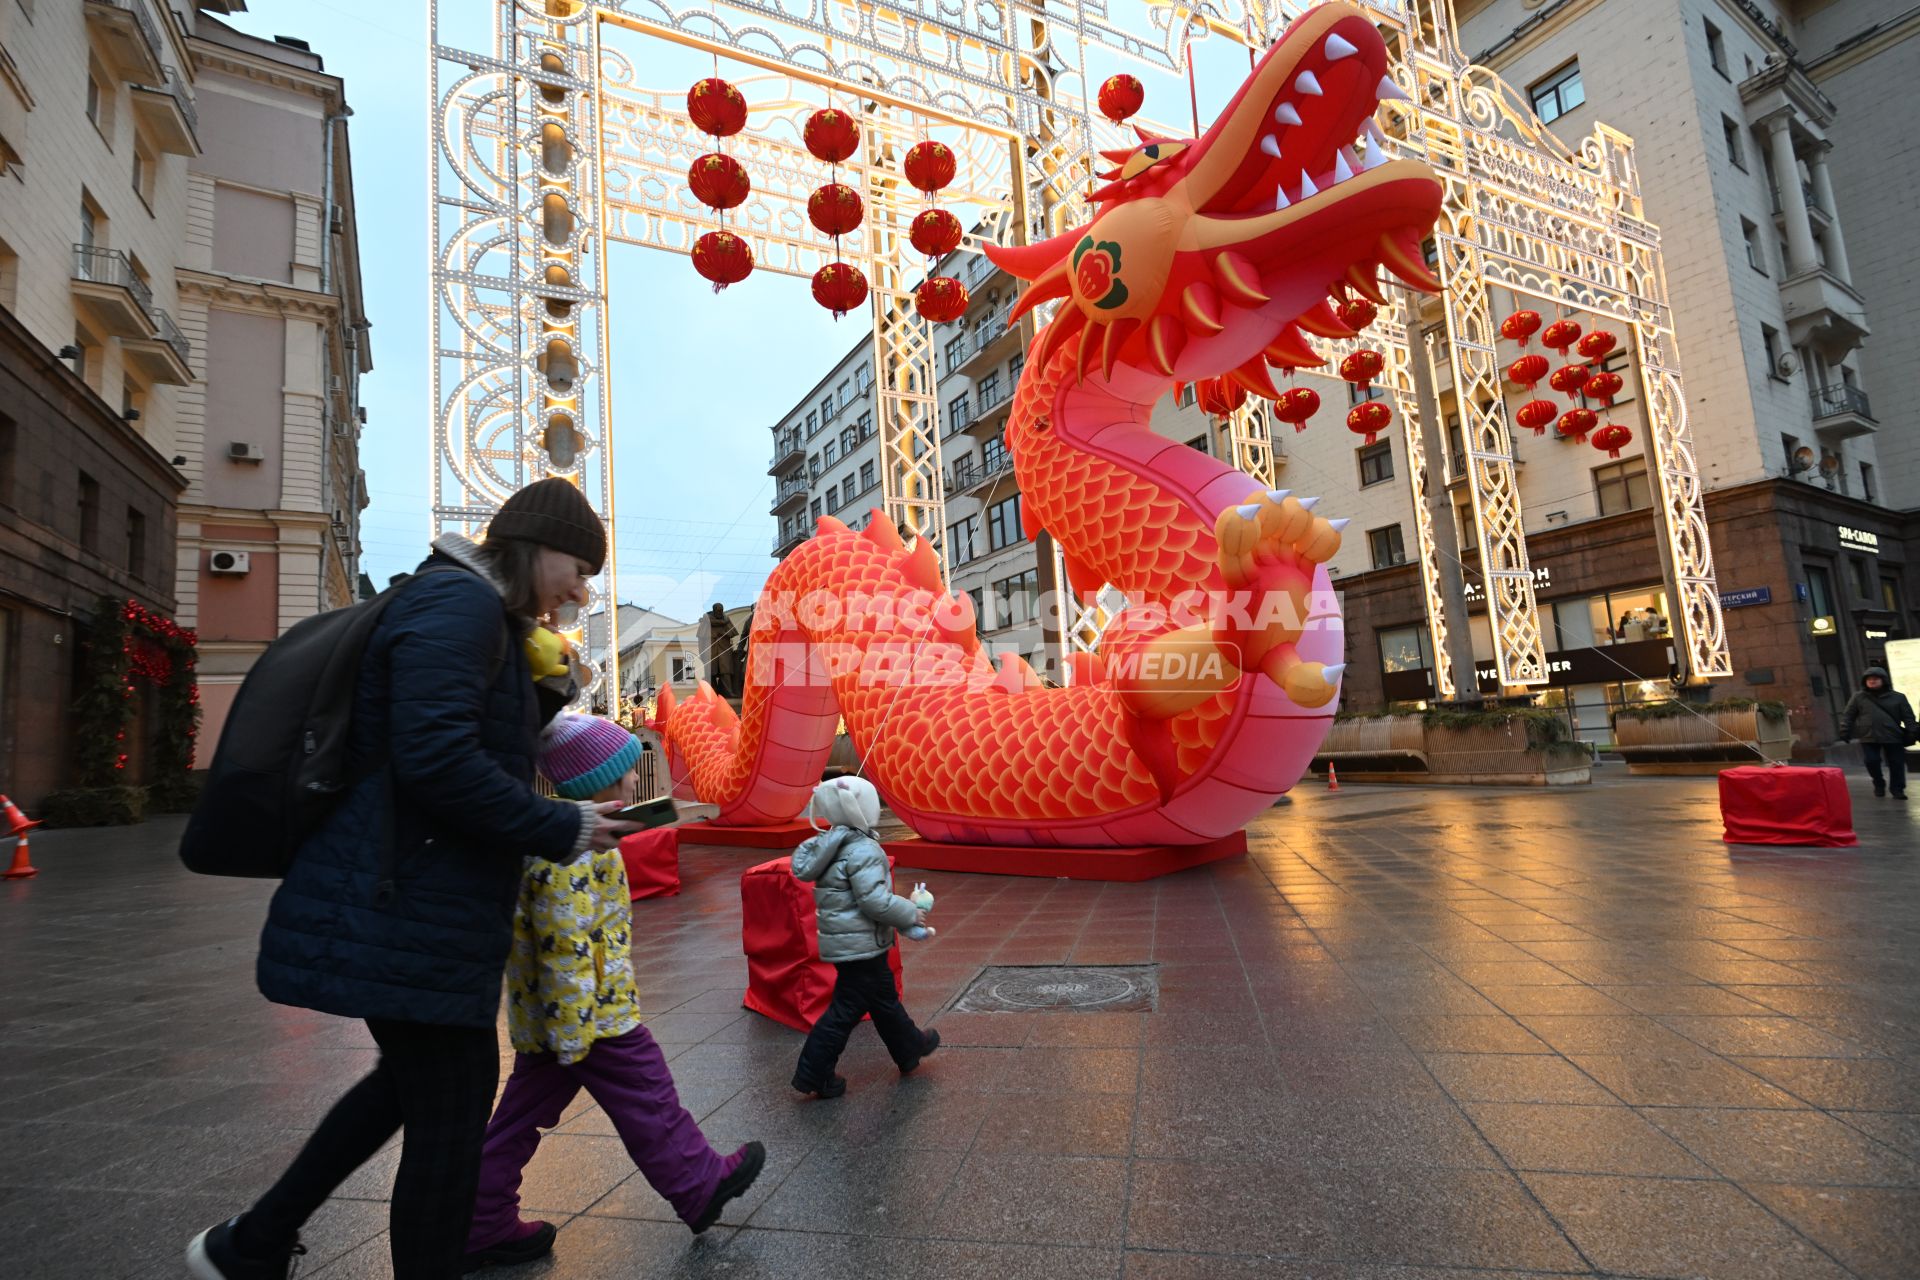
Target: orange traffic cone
(22, 866)
(1333, 777)
(17, 822)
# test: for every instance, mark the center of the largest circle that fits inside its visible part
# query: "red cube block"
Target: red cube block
(653, 862)
(786, 978)
(1779, 804)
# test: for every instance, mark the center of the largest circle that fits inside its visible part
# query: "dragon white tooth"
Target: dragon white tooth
(1388, 91)
(1307, 84)
(1375, 156)
(1338, 48)
(1271, 146)
(1340, 525)
(1306, 186)
(1286, 114)
(1332, 674)
(1279, 495)
(1341, 169)
(1280, 200)
(1309, 503)
(1250, 511)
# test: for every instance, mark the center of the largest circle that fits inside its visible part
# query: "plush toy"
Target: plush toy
(547, 654)
(922, 901)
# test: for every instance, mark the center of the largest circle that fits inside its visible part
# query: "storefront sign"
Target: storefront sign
(1873, 633)
(1542, 577)
(1746, 596)
(1858, 539)
(1823, 626)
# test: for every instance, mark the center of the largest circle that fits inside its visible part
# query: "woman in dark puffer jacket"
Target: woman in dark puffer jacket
(398, 909)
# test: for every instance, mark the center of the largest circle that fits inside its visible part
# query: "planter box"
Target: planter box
(1408, 749)
(1705, 743)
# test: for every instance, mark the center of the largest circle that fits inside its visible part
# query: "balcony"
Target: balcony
(785, 542)
(169, 115)
(992, 401)
(164, 357)
(787, 450)
(107, 289)
(988, 342)
(129, 37)
(969, 475)
(1824, 311)
(792, 493)
(1841, 412)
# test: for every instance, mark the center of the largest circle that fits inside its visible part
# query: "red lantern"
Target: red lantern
(1356, 313)
(834, 209)
(1219, 396)
(1296, 405)
(1362, 367)
(1603, 386)
(1369, 419)
(831, 135)
(1569, 379)
(1560, 336)
(941, 299)
(936, 232)
(1597, 344)
(1575, 423)
(722, 257)
(719, 182)
(1537, 415)
(716, 107)
(1520, 326)
(1528, 370)
(1120, 97)
(930, 166)
(839, 288)
(1613, 438)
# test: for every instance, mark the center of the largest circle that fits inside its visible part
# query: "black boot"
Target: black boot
(753, 1158)
(926, 1051)
(511, 1253)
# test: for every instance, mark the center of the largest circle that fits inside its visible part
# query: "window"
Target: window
(1014, 366)
(959, 412)
(7, 433)
(862, 379)
(826, 411)
(1731, 132)
(84, 364)
(1376, 462)
(136, 542)
(89, 224)
(1003, 523)
(1374, 391)
(1820, 591)
(1628, 617)
(143, 174)
(846, 394)
(89, 512)
(1385, 546)
(813, 467)
(956, 352)
(1186, 397)
(864, 425)
(1890, 594)
(989, 390)
(815, 509)
(9, 277)
(683, 670)
(1864, 586)
(867, 480)
(1866, 483)
(1573, 623)
(1403, 649)
(962, 536)
(1021, 595)
(830, 453)
(1557, 94)
(813, 422)
(1756, 258)
(1620, 361)
(979, 597)
(1456, 446)
(1716, 50)
(1622, 486)
(1199, 443)
(993, 455)
(100, 101)
(1770, 340)
(848, 439)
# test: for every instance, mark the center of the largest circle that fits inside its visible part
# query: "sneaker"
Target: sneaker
(211, 1255)
(512, 1251)
(833, 1088)
(1880, 789)
(932, 1042)
(753, 1158)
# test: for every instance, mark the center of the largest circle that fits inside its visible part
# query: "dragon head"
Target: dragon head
(1207, 257)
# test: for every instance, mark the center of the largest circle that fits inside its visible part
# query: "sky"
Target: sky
(699, 377)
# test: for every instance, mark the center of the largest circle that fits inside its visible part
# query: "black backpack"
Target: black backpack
(282, 762)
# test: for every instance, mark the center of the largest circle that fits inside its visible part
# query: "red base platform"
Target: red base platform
(1142, 862)
(784, 835)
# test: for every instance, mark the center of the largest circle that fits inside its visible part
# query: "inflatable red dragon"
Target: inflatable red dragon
(1206, 258)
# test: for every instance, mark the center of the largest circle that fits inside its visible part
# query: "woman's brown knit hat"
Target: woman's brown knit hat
(554, 513)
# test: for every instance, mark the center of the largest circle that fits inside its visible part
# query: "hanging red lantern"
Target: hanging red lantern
(1560, 336)
(935, 232)
(716, 107)
(1613, 438)
(1362, 367)
(1537, 415)
(839, 288)
(1596, 345)
(1120, 97)
(1520, 326)
(834, 209)
(1369, 419)
(719, 182)
(930, 166)
(1219, 396)
(1575, 423)
(722, 257)
(1528, 370)
(1296, 405)
(1356, 313)
(831, 135)
(1569, 379)
(1603, 386)
(941, 299)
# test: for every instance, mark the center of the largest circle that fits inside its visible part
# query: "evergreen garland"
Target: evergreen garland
(130, 643)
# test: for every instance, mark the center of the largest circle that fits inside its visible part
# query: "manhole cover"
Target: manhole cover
(1062, 989)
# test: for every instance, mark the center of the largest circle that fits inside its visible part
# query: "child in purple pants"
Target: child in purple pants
(573, 1016)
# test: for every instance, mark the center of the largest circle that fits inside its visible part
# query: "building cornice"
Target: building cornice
(267, 297)
(279, 517)
(209, 56)
(1872, 42)
(1530, 32)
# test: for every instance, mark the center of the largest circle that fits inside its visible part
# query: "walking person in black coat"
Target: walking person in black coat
(1883, 718)
(399, 908)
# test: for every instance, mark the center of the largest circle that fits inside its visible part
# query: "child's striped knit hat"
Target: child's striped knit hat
(583, 755)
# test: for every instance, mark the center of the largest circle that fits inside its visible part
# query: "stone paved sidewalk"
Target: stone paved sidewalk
(1419, 1032)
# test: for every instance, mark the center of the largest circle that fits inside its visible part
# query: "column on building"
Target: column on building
(1823, 192)
(1802, 256)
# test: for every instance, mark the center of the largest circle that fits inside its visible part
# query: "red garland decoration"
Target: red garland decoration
(1120, 97)
(1296, 405)
(1369, 419)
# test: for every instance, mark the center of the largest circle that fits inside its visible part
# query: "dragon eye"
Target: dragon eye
(1148, 156)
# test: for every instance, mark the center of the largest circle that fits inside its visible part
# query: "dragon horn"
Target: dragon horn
(1291, 351)
(1254, 377)
(1360, 276)
(1406, 260)
(922, 568)
(1320, 320)
(1117, 334)
(1166, 338)
(1105, 193)
(1054, 284)
(1239, 280)
(1119, 155)
(1054, 336)
(1201, 307)
(664, 705)
(1031, 261)
(1015, 675)
(1086, 351)
(881, 533)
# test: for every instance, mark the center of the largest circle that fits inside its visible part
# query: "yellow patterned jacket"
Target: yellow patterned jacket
(570, 977)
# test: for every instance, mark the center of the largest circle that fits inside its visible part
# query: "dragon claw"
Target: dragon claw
(1340, 525)
(1250, 511)
(1309, 503)
(1279, 495)
(1332, 674)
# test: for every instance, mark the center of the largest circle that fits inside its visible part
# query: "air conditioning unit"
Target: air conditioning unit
(336, 219)
(227, 561)
(340, 521)
(242, 451)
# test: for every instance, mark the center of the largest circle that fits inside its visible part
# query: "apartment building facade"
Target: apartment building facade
(111, 350)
